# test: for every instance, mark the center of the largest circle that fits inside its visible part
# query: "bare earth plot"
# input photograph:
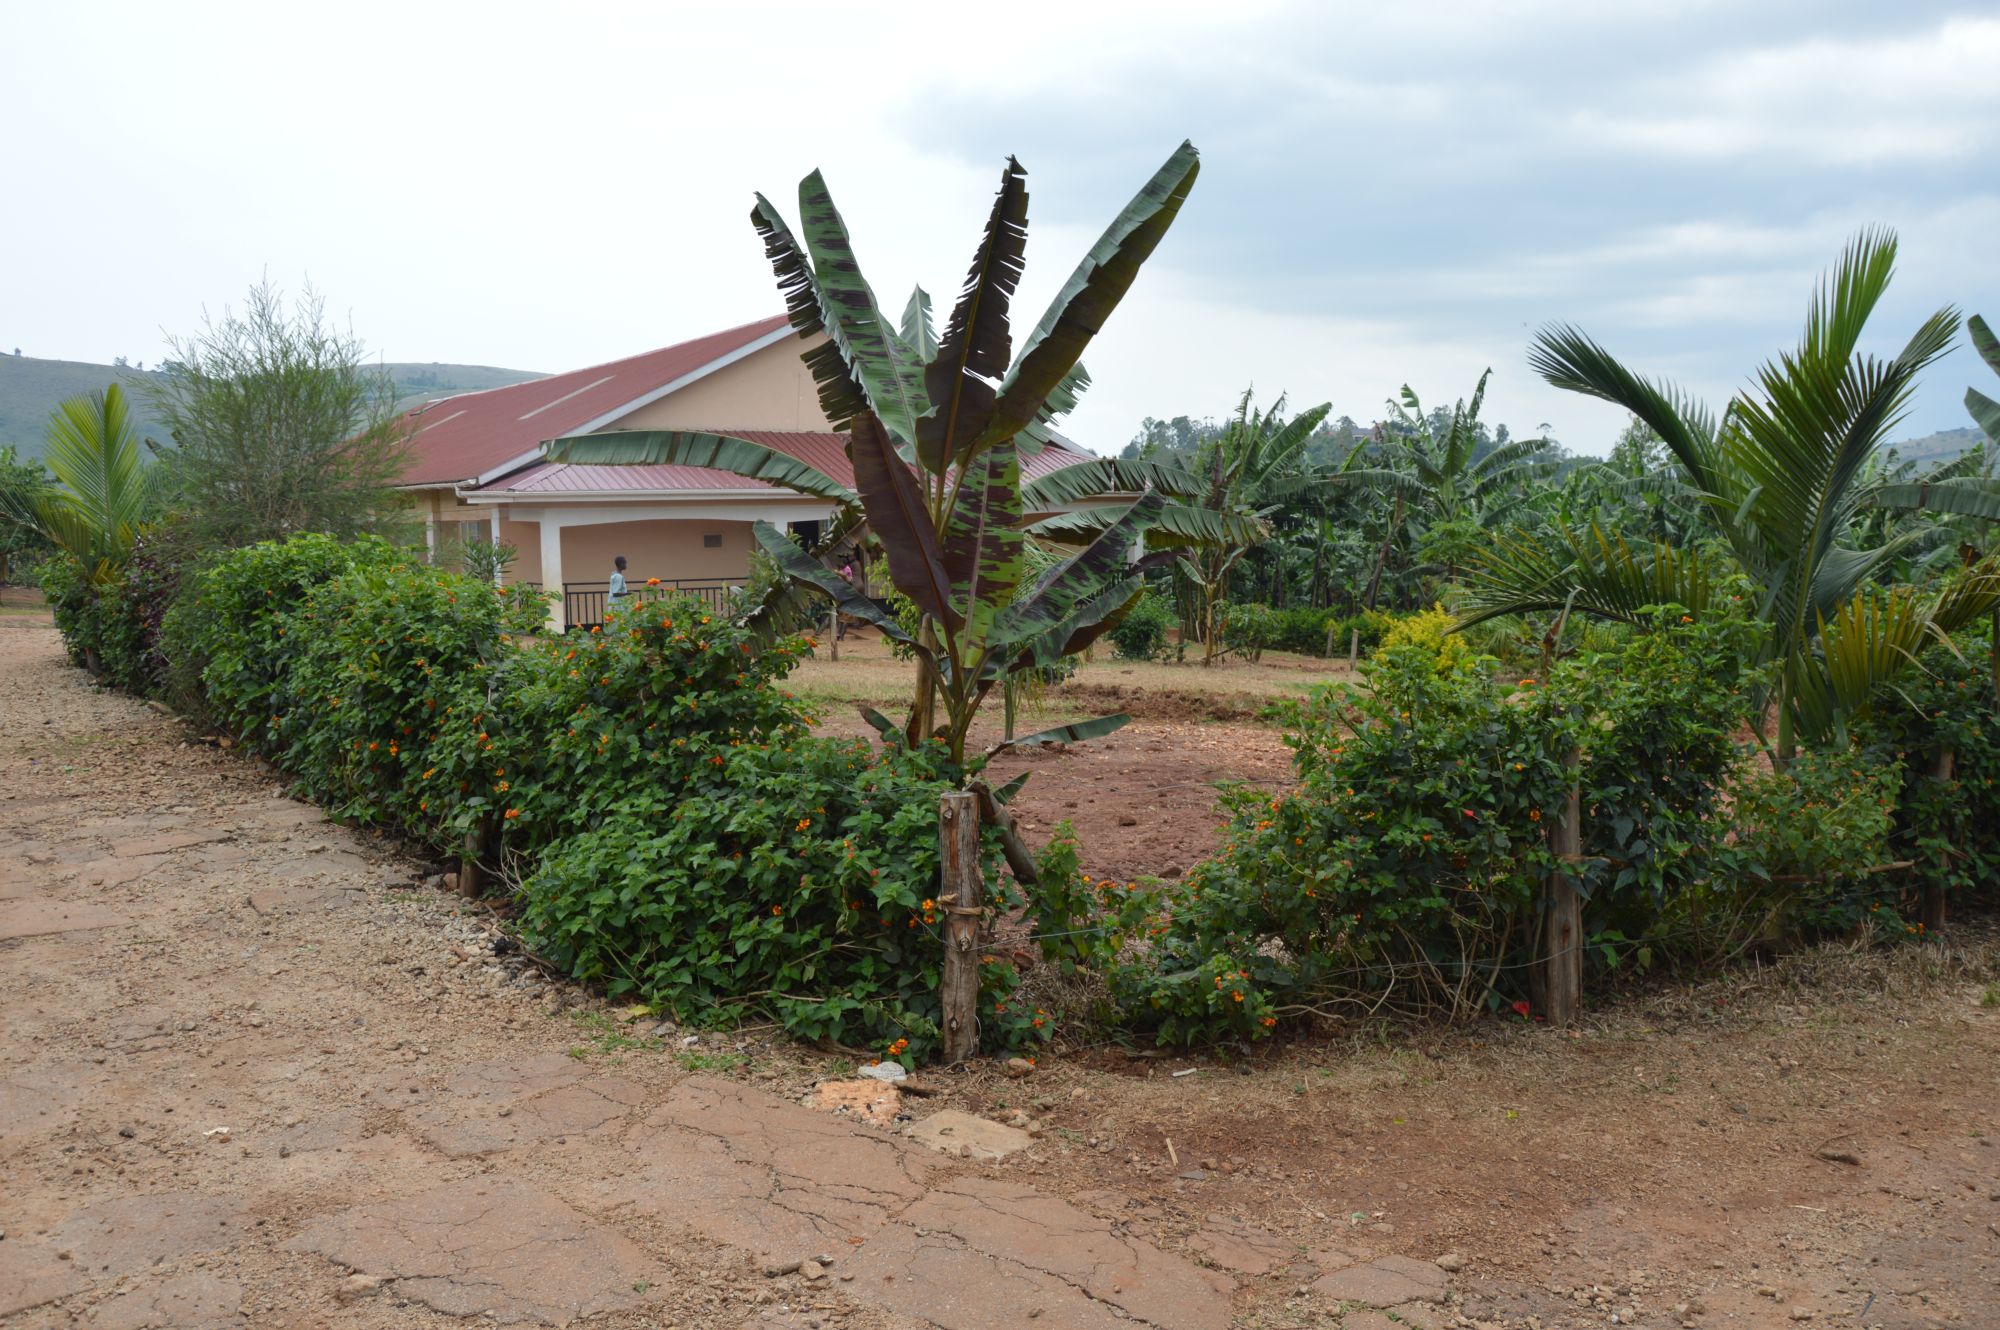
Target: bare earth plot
(253, 1074)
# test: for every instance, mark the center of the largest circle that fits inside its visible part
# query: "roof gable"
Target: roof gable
(473, 435)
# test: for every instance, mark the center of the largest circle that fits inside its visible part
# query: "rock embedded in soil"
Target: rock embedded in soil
(964, 1134)
(355, 1287)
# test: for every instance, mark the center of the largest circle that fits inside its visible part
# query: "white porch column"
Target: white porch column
(499, 573)
(431, 529)
(552, 569)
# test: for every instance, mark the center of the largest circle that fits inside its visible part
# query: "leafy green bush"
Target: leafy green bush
(680, 834)
(1949, 828)
(1808, 835)
(795, 882)
(382, 656)
(1080, 922)
(1247, 628)
(566, 728)
(1664, 708)
(1306, 631)
(1142, 634)
(113, 627)
(1407, 869)
(1303, 630)
(1430, 631)
(1368, 627)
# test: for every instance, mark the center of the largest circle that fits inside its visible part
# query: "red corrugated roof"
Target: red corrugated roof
(459, 438)
(824, 451)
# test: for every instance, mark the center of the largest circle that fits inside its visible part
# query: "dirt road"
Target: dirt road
(254, 1073)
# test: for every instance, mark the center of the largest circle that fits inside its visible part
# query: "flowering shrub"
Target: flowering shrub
(680, 835)
(796, 880)
(381, 656)
(1080, 922)
(1407, 869)
(1806, 837)
(229, 634)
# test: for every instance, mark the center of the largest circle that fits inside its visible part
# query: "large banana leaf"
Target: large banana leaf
(721, 452)
(1964, 497)
(1075, 732)
(1102, 476)
(1179, 526)
(1984, 409)
(977, 343)
(1086, 300)
(982, 540)
(841, 395)
(1080, 624)
(802, 567)
(1038, 433)
(1057, 594)
(901, 520)
(917, 334)
(893, 379)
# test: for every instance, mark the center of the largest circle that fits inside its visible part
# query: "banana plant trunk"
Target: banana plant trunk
(923, 711)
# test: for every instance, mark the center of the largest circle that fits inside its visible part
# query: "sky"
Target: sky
(1390, 194)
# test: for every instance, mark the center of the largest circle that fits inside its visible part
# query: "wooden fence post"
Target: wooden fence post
(1932, 914)
(1353, 647)
(958, 900)
(468, 865)
(833, 633)
(1562, 915)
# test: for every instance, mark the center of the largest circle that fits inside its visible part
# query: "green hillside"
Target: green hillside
(30, 389)
(1942, 446)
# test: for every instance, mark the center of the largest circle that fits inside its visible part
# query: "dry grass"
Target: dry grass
(868, 674)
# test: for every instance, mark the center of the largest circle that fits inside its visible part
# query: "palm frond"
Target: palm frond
(1569, 359)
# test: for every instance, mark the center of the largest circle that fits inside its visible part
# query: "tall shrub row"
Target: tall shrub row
(1407, 870)
(674, 829)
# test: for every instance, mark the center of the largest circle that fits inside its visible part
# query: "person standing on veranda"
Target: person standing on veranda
(615, 597)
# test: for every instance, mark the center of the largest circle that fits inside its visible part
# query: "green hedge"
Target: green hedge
(678, 833)
(1406, 871)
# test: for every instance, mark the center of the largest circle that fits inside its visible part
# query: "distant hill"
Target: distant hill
(31, 388)
(1942, 446)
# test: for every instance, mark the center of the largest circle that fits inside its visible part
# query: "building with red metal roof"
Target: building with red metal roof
(476, 470)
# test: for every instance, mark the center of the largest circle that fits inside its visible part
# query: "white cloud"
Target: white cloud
(1928, 96)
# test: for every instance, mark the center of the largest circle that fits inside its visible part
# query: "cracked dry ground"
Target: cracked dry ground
(183, 950)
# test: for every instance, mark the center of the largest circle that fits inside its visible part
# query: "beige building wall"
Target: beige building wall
(526, 538)
(768, 389)
(666, 550)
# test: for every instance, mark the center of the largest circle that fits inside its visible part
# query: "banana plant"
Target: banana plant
(937, 425)
(1441, 482)
(1781, 477)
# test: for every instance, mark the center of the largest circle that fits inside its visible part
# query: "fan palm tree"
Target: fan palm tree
(1781, 477)
(103, 487)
